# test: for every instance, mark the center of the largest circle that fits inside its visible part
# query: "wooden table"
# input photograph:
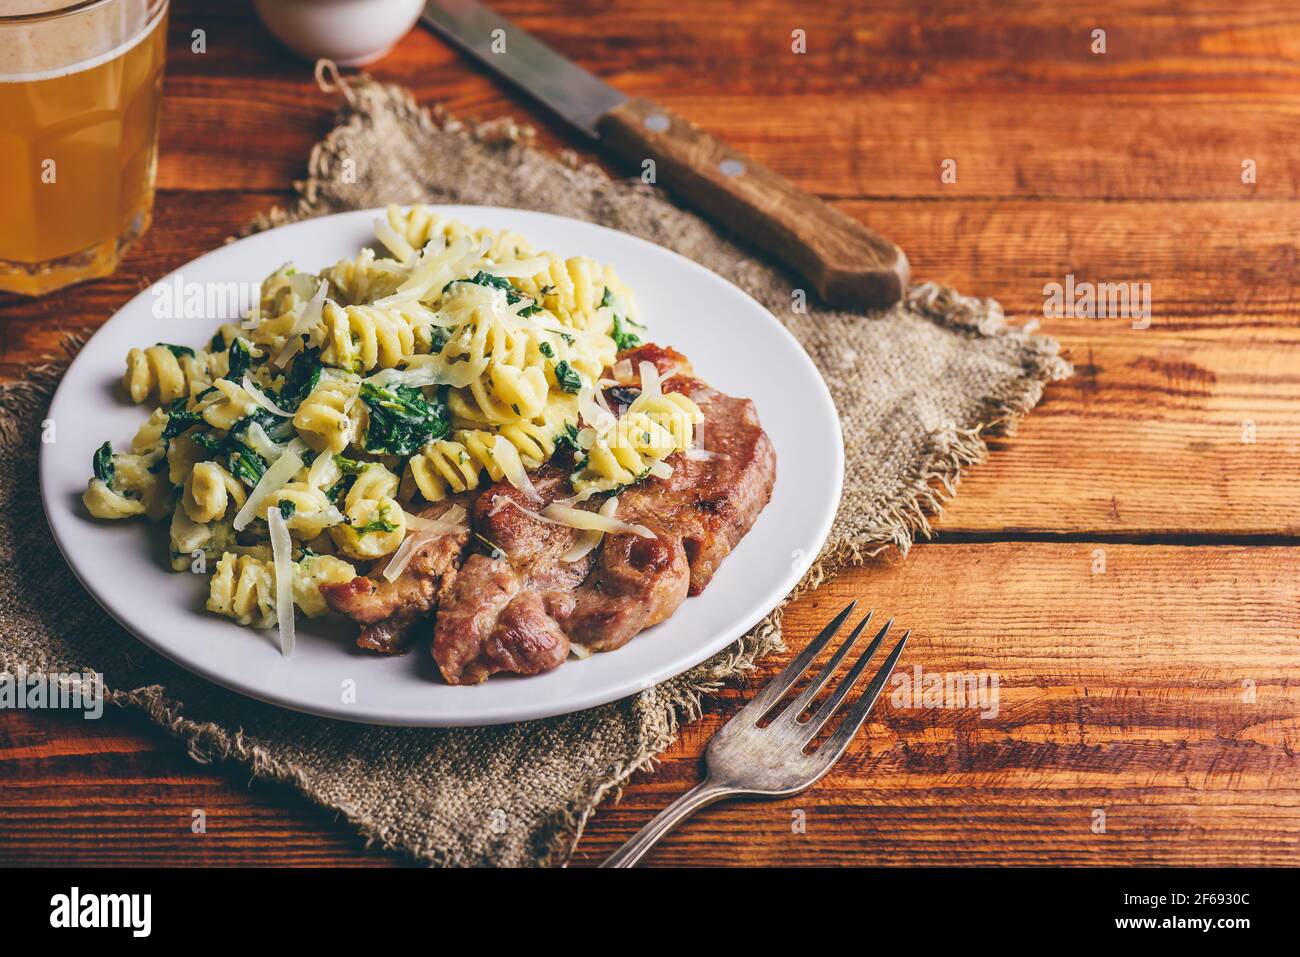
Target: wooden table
(1127, 565)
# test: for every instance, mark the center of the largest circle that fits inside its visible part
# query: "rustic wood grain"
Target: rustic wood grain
(1123, 691)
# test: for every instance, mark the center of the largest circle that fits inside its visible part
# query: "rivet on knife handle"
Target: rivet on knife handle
(849, 265)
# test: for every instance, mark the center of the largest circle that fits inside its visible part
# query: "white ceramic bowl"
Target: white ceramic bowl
(349, 32)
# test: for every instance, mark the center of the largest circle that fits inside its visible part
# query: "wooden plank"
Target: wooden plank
(1003, 97)
(1125, 691)
(1187, 426)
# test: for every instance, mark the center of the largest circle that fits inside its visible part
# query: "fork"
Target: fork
(771, 762)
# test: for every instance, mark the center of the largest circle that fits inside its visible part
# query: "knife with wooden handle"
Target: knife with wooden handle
(847, 264)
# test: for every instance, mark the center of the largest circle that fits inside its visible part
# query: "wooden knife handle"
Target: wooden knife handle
(849, 265)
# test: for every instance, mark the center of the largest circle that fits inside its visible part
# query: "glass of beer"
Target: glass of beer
(80, 90)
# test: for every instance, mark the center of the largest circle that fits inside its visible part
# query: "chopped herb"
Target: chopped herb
(179, 419)
(349, 466)
(568, 437)
(515, 407)
(402, 420)
(566, 337)
(380, 524)
(546, 349)
(178, 351)
(240, 359)
(287, 508)
(103, 463)
(308, 553)
(530, 309)
(246, 465)
(623, 338)
(567, 378)
(210, 441)
(304, 376)
(438, 338)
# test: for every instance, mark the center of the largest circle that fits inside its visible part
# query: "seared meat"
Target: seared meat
(388, 610)
(516, 606)
(521, 612)
(503, 520)
(710, 504)
(638, 582)
(494, 617)
(489, 623)
(497, 618)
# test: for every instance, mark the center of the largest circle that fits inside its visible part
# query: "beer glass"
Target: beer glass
(80, 90)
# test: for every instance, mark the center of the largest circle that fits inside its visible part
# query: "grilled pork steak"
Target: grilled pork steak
(709, 503)
(520, 607)
(522, 612)
(388, 610)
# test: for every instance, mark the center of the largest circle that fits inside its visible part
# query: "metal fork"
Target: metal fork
(744, 759)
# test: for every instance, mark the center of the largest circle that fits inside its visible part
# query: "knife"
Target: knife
(849, 265)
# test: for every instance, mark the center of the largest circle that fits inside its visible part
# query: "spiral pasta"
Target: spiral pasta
(209, 492)
(364, 279)
(165, 374)
(574, 291)
(285, 434)
(243, 587)
(328, 419)
(653, 428)
(376, 524)
(361, 338)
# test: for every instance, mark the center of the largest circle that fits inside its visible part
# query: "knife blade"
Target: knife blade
(848, 264)
(562, 86)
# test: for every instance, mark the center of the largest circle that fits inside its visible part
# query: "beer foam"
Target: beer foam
(44, 49)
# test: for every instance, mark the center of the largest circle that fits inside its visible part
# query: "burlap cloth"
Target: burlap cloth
(916, 388)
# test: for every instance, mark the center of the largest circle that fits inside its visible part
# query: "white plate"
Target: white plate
(734, 344)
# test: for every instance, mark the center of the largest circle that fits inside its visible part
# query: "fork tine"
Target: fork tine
(774, 689)
(799, 704)
(832, 704)
(837, 742)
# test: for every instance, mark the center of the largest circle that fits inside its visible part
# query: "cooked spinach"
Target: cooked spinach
(178, 351)
(401, 420)
(623, 338)
(567, 378)
(103, 463)
(568, 438)
(302, 379)
(245, 464)
(179, 419)
(380, 524)
(287, 508)
(481, 278)
(240, 359)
